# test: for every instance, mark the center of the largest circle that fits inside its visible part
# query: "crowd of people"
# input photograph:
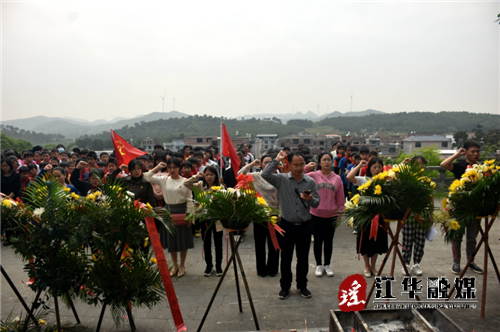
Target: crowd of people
(310, 193)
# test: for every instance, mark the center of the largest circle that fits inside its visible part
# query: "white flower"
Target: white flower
(131, 194)
(38, 211)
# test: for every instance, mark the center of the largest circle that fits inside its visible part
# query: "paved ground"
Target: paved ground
(194, 292)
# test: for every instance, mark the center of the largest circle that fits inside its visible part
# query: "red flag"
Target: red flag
(124, 151)
(228, 150)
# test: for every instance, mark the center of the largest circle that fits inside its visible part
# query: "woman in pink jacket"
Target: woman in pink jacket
(324, 217)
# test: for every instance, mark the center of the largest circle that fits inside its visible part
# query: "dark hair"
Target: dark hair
(29, 154)
(372, 162)
(320, 156)
(373, 153)
(133, 163)
(43, 164)
(71, 163)
(158, 146)
(64, 164)
(92, 154)
(192, 160)
(187, 146)
(187, 164)
(64, 152)
(144, 157)
(112, 160)
(13, 159)
(60, 169)
(293, 154)
(102, 154)
(364, 149)
(158, 158)
(37, 148)
(45, 152)
(101, 163)
(286, 148)
(31, 166)
(213, 170)
(209, 151)
(471, 144)
(421, 158)
(60, 146)
(76, 150)
(97, 172)
(198, 153)
(264, 157)
(341, 146)
(54, 150)
(355, 156)
(335, 143)
(354, 149)
(174, 161)
(24, 169)
(37, 152)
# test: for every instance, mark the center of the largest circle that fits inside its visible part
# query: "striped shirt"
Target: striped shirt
(292, 207)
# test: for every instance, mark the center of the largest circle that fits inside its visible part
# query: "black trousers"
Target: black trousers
(323, 231)
(299, 237)
(207, 244)
(269, 264)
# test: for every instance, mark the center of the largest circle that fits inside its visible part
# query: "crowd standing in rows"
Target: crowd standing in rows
(309, 194)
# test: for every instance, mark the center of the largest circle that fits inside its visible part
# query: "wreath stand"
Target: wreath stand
(487, 252)
(234, 254)
(19, 297)
(393, 246)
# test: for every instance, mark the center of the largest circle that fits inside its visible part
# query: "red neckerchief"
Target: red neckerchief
(24, 185)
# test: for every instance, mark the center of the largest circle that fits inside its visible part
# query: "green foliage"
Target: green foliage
(14, 144)
(477, 193)
(32, 137)
(431, 155)
(95, 246)
(235, 208)
(404, 187)
(460, 137)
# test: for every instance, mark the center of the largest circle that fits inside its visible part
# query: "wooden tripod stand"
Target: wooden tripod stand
(487, 253)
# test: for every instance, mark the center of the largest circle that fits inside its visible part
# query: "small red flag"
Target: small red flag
(228, 150)
(124, 151)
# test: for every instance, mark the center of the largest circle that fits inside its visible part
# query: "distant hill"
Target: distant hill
(307, 116)
(337, 114)
(73, 127)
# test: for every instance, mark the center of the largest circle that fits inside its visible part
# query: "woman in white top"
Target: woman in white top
(177, 200)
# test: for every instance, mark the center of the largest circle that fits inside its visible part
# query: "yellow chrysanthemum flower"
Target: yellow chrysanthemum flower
(355, 199)
(432, 184)
(149, 206)
(455, 225)
(98, 193)
(91, 197)
(378, 190)
(454, 186)
(66, 189)
(146, 242)
(153, 260)
(216, 188)
(396, 169)
(75, 196)
(489, 162)
(261, 201)
(274, 220)
(364, 186)
(7, 202)
(444, 203)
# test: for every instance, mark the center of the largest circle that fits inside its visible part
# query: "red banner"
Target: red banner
(165, 274)
(229, 151)
(124, 151)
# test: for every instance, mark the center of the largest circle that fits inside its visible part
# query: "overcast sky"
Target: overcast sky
(104, 59)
